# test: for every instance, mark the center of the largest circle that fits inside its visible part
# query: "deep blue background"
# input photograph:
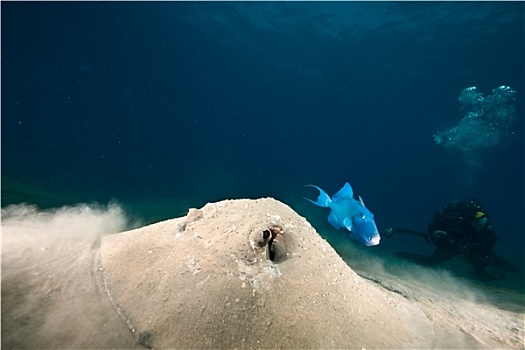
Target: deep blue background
(164, 106)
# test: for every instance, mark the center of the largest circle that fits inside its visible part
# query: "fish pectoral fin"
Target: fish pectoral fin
(347, 223)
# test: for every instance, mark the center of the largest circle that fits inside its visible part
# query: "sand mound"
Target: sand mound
(234, 274)
(197, 282)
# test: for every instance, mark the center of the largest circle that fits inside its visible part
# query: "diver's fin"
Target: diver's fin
(504, 264)
(323, 200)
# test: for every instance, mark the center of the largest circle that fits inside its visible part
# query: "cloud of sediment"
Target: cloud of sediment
(80, 219)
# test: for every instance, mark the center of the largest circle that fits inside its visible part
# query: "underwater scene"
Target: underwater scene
(395, 128)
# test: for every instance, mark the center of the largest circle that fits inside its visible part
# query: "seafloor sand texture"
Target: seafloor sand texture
(203, 281)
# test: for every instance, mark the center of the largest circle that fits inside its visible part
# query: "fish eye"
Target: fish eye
(363, 216)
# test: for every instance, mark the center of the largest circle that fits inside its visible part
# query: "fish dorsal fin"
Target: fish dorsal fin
(361, 201)
(345, 192)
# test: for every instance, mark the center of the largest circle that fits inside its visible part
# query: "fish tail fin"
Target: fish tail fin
(323, 200)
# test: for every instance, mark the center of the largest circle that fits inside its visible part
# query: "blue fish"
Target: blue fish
(348, 213)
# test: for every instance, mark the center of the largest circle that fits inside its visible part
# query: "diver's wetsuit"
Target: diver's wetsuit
(463, 228)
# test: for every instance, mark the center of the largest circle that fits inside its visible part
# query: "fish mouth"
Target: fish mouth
(375, 239)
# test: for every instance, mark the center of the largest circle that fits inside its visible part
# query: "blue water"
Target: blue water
(164, 106)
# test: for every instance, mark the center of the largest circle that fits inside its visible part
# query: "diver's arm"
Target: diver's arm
(391, 231)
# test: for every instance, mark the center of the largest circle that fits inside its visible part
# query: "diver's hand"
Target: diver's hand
(441, 237)
(389, 232)
(438, 234)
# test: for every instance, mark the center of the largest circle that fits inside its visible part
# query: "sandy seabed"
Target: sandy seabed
(215, 279)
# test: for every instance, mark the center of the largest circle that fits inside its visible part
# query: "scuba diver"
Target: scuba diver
(461, 229)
